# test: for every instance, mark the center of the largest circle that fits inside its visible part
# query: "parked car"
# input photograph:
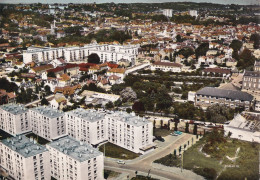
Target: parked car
(120, 162)
(159, 138)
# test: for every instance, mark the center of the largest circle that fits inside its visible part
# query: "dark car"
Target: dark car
(159, 138)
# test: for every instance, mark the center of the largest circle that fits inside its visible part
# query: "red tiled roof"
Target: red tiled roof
(57, 69)
(218, 70)
(167, 64)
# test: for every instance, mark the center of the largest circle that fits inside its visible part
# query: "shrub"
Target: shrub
(208, 173)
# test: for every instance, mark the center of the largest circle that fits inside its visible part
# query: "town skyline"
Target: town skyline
(226, 2)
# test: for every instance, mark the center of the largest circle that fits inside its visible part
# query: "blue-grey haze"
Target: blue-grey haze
(240, 2)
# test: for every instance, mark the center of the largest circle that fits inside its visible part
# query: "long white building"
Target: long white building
(23, 159)
(14, 119)
(167, 12)
(47, 122)
(72, 159)
(72, 54)
(123, 129)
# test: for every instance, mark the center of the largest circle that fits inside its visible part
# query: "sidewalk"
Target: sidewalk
(188, 174)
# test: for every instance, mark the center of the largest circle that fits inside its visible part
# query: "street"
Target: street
(145, 163)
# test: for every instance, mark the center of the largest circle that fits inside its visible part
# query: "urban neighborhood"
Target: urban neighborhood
(129, 91)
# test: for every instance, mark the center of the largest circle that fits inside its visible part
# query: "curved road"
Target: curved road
(144, 163)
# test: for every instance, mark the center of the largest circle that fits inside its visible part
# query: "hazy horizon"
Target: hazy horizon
(240, 2)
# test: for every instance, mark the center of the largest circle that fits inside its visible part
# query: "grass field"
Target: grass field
(216, 165)
(115, 151)
(110, 174)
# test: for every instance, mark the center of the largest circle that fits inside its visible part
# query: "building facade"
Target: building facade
(167, 12)
(22, 158)
(47, 122)
(209, 96)
(72, 159)
(86, 125)
(251, 81)
(130, 132)
(244, 126)
(14, 119)
(166, 66)
(72, 54)
(120, 128)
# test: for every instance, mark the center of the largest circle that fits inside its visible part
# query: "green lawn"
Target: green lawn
(161, 132)
(115, 151)
(110, 174)
(217, 164)
(40, 140)
(4, 135)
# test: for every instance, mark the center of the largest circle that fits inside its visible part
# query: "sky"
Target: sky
(240, 2)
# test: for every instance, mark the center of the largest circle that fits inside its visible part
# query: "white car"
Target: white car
(120, 162)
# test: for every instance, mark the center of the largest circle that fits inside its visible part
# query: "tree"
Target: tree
(109, 105)
(256, 38)
(178, 38)
(44, 101)
(51, 74)
(236, 45)
(202, 49)
(128, 110)
(187, 128)
(161, 124)
(195, 128)
(47, 89)
(138, 106)
(246, 59)
(94, 58)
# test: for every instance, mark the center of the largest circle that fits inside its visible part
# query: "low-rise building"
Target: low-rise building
(22, 158)
(208, 96)
(251, 81)
(166, 66)
(14, 119)
(72, 159)
(47, 122)
(244, 126)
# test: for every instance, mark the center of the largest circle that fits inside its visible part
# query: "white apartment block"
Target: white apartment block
(47, 122)
(125, 130)
(23, 159)
(130, 132)
(72, 54)
(193, 13)
(167, 12)
(86, 125)
(14, 119)
(74, 160)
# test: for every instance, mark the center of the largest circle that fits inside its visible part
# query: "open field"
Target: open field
(229, 159)
(115, 151)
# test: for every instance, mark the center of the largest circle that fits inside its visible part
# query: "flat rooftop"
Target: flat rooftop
(14, 108)
(90, 115)
(77, 150)
(48, 111)
(24, 146)
(130, 119)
